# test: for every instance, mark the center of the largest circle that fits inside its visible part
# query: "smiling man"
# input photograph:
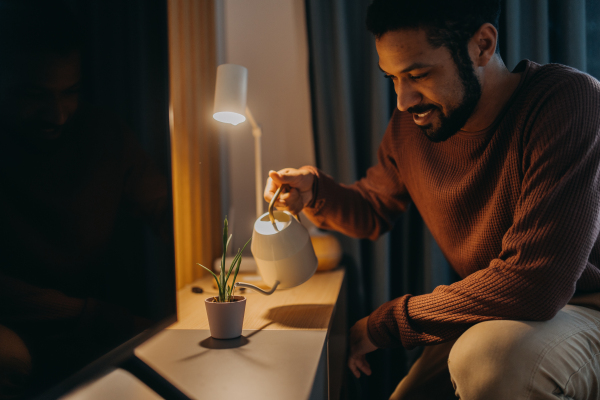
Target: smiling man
(504, 167)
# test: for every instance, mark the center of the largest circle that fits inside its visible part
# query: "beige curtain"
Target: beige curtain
(194, 140)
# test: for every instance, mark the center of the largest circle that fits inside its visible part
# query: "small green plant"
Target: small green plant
(226, 290)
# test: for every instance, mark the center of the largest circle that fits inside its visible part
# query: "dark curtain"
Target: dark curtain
(352, 103)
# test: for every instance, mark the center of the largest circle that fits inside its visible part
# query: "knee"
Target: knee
(486, 362)
(15, 364)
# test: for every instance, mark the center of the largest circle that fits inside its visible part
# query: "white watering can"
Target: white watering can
(282, 249)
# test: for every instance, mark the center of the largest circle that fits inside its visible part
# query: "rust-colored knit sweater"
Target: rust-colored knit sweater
(515, 208)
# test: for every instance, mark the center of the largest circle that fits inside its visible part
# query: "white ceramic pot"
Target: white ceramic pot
(285, 255)
(225, 320)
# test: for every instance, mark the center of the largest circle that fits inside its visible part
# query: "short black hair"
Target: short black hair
(448, 23)
(38, 26)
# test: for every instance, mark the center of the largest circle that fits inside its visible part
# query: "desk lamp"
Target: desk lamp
(230, 108)
(284, 255)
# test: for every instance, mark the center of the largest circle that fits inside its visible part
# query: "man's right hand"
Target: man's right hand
(300, 194)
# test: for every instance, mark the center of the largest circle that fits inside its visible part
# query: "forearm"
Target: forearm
(356, 210)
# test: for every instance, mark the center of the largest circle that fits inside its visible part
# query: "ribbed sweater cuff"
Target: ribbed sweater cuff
(320, 189)
(383, 325)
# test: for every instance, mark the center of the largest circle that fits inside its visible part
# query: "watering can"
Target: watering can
(282, 249)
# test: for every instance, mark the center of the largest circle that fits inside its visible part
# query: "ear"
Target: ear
(482, 45)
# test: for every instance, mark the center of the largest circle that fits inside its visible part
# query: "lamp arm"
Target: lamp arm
(251, 120)
(257, 133)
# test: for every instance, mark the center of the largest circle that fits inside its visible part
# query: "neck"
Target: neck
(497, 86)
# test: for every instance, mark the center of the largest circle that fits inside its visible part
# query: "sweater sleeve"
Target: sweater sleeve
(365, 209)
(544, 252)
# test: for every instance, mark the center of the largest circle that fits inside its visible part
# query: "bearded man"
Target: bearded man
(504, 167)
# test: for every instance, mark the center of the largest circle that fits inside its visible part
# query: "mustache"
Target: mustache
(421, 108)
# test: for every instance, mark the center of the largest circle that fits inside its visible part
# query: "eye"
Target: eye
(418, 77)
(388, 76)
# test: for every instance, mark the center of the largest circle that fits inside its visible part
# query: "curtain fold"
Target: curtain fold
(352, 103)
(194, 140)
(549, 31)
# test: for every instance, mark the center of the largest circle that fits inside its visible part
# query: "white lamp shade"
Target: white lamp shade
(230, 94)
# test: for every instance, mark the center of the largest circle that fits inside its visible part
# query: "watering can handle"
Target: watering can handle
(249, 286)
(284, 187)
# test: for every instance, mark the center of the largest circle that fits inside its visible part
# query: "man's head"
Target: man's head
(440, 37)
(41, 72)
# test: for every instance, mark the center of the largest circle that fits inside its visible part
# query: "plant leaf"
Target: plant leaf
(239, 263)
(225, 244)
(216, 279)
(235, 260)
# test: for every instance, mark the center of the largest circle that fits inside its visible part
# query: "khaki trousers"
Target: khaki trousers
(514, 360)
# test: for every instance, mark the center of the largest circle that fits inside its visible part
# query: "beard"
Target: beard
(457, 117)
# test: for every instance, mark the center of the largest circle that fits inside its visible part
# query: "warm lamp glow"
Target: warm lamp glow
(230, 108)
(228, 117)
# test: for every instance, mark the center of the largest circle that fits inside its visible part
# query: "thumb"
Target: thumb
(282, 176)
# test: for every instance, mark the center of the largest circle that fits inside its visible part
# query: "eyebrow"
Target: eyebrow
(416, 65)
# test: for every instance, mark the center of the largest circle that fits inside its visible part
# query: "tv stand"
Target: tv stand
(292, 348)
(153, 379)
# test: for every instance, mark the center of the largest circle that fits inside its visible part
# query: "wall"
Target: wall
(269, 38)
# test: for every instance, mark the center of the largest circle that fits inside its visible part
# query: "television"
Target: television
(87, 268)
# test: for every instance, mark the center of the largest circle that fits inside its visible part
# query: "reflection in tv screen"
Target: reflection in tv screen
(86, 221)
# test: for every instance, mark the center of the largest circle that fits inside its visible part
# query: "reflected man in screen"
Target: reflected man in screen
(74, 184)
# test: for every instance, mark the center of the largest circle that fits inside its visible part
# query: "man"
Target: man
(73, 181)
(504, 168)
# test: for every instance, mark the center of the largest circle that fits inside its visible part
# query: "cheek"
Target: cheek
(71, 104)
(446, 97)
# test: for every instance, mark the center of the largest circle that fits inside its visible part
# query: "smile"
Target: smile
(423, 118)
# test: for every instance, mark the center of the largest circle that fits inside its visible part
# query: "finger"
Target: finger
(270, 189)
(295, 202)
(292, 196)
(353, 368)
(293, 208)
(282, 208)
(285, 196)
(363, 365)
(286, 175)
(278, 178)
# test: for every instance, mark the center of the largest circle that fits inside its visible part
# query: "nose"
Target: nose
(407, 96)
(55, 111)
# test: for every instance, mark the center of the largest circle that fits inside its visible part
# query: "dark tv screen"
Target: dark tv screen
(86, 219)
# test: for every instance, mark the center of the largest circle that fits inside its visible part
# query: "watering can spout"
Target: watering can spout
(259, 290)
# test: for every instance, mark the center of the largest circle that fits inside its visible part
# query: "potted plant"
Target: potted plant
(226, 311)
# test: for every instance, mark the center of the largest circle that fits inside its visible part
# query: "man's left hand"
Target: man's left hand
(360, 344)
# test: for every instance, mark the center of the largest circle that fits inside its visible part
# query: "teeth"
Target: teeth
(424, 114)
